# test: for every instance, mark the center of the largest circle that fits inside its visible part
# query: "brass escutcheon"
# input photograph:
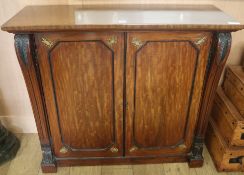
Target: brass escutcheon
(114, 150)
(63, 150)
(134, 148)
(201, 41)
(136, 42)
(111, 41)
(47, 43)
(182, 146)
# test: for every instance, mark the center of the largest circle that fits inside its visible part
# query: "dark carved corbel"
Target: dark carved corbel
(224, 43)
(22, 45)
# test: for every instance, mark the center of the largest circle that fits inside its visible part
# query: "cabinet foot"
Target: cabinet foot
(48, 164)
(197, 163)
(49, 168)
(195, 158)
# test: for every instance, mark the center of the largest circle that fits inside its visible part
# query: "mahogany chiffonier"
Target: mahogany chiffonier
(121, 84)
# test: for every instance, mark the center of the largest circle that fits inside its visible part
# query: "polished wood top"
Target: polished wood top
(120, 17)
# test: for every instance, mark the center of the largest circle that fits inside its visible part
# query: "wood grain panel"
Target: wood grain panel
(83, 82)
(162, 92)
(165, 73)
(83, 86)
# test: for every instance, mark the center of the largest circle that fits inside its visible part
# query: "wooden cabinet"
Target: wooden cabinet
(103, 92)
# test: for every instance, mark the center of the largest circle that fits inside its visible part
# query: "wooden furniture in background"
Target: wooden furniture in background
(225, 137)
(234, 86)
(110, 87)
(228, 120)
(224, 157)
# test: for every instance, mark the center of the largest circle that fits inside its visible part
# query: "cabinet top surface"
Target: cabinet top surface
(120, 17)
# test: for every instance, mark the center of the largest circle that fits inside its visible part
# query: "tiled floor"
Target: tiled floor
(27, 162)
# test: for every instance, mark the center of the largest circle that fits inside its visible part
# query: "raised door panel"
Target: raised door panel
(82, 77)
(164, 77)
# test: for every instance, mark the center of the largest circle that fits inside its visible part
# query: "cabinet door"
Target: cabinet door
(164, 78)
(82, 79)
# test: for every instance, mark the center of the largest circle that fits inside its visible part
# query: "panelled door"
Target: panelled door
(164, 78)
(82, 78)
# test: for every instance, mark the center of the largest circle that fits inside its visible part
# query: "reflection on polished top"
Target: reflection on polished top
(122, 17)
(144, 17)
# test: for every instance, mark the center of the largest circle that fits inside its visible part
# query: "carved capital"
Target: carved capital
(22, 43)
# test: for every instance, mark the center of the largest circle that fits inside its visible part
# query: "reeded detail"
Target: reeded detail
(63, 150)
(136, 42)
(21, 45)
(47, 43)
(111, 41)
(114, 150)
